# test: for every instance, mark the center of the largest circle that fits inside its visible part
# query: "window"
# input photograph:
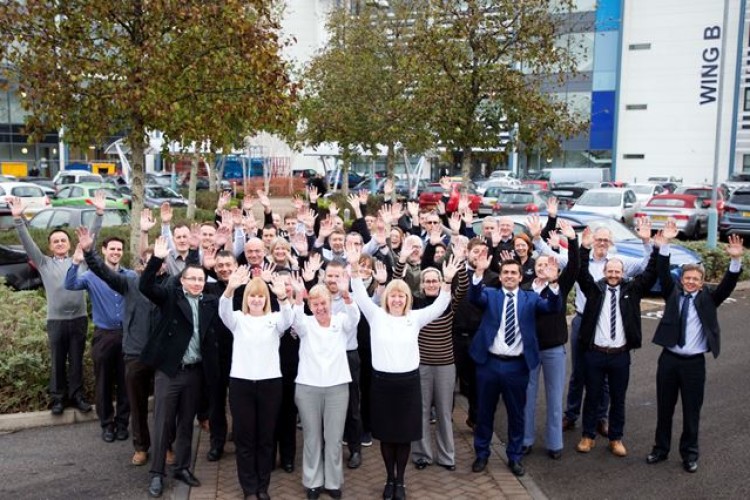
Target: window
(632, 107)
(746, 163)
(634, 156)
(639, 46)
(747, 99)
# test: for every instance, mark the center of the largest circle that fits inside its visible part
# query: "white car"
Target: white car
(644, 192)
(506, 182)
(32, 196)
(75, 177)
(618, 203)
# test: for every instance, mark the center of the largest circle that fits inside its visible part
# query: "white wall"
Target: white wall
(676, 133)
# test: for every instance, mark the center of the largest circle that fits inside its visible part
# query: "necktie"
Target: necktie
(683, 319)
(612, 313)
(510, 320)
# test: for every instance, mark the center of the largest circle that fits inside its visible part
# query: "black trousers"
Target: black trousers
(109, 372)
(255, 406)
(67, 341)
(138, 380)
(466, 370)
(353, 424)
(217, 416)
(286, 425)
(686, 377)
(365, 383)
(175, 405)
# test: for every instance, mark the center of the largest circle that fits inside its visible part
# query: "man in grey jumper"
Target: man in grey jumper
(67, 322)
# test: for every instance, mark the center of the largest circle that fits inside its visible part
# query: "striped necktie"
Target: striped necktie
(510, 320)
(612, 313)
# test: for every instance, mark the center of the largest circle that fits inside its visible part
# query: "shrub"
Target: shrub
(716, 260)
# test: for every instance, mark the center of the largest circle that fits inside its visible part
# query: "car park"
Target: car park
(83, 194)
(618, 203)
(32, 196)
(704, 194)
(73, 217)
(514, 201)
(687, 211)
(433, 193)
(736, 216)
(644, 192)
(155, 195)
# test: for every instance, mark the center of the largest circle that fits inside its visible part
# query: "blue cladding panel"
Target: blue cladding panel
(608, 15)
(605, 60)
(602, 120)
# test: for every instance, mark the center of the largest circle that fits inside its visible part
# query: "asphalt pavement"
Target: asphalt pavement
(724, 437)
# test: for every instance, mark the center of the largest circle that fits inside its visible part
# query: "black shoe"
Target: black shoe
(388, 491)
(399, 492)
(479, 465)
(186, 477)
(355, 460)
(516, 468)
(448, 467)
(655, 457)
(214, 454)
(525, 450)
(57, 407)
(334, 493)
(156, 487)
(690, 466)
(81, 404)
(554, 454)
(313, 493)
(288, 468)
(108, 435)
(421, 464)
(568, 424)
(122, 434)
(263, 495)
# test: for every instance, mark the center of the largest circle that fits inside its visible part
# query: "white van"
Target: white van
(571, 175)
(75, 177)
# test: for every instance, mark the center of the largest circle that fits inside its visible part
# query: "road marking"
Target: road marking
(657, 315)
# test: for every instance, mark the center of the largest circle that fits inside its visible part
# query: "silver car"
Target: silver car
(686, 209)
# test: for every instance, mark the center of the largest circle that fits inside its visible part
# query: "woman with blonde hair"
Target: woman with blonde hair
(396, 397)
(255, 377)
(322, 391)
(281, 254)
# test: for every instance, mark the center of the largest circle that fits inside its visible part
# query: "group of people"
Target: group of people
(364, 332)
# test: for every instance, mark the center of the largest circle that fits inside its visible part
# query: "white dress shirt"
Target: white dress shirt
(603, 335)
(499, 346)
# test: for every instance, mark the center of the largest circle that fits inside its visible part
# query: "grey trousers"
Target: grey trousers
(322, 411)
(438, 384)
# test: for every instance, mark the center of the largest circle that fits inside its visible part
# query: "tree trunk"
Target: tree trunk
(213, 176)
(345, 172)
(390, 161)
(137, 148)
(192, 187)
(466, 166)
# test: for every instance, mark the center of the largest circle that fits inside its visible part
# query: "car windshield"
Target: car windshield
(433, 189)
(670, 202)
(161, 192)
(111, 218)
(511, 197)
(600, 199)
(493, 192)
(642, 189)
(742, 198)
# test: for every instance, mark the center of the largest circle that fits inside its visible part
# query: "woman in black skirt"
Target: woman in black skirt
(396, 395)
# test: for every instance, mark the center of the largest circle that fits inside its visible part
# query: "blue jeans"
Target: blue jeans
(616, 369)
(494, 378)
(553, 364)
(578, 377)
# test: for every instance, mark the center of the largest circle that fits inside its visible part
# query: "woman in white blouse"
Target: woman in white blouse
(255, 377)
(396, 394)
(322, 391)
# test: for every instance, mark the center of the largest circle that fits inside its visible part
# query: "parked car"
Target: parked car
(588, 185)
(433, 193)
(686, 209)
(16, 268)
(704, 195)
(43, 182)
(644, 192)
(83, 194)
(75, 177)
(736, 216)
(567, 195)
(489, 198)
(160, 178)
(618, 203)
(626, 242)
(73, 217)
(535, 184)
(515, 202)
(32, 196)
(503, 183)
(305, 173)
(736, 181)
(155, 195)
(658, 179)
(354, 179)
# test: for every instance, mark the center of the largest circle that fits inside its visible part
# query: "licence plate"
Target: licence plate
(746, 214)
(659, 217)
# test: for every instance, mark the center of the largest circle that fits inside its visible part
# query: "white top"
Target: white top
(499, 346)
(394, 338)
(255, 351)
(603, 335)
(338, 306)
(322, 351)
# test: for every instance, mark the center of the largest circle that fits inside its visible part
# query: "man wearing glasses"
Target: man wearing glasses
(182, 348)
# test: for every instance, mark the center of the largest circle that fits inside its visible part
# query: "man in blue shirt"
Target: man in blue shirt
(107, 308)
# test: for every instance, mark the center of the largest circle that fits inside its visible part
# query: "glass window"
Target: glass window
(76, 192)
(600, 199)
(27, 192)
(741, 198)
(60, 218)
(581, 45)
(746, 163)
(41, 220)
(670, 202)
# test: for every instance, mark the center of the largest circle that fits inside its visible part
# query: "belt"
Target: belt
(190, 366)
(506, 358)
(609, 350)
(680, 356)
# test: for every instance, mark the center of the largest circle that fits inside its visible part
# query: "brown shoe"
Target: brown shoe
(567, 424)
(139, 458)
(585, 445)
(170, 457)
(618, 449)
(602, 428)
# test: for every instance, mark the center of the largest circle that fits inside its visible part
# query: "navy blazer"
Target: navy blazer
(492, 300)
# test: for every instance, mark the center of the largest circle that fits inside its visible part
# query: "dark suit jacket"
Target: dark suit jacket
(171, 335)
(706, 301)
(631, 292)
(492, 300)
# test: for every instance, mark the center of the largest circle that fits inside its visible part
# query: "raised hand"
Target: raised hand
(209, 257)
(85, 238)
(343, 283)
(326, 227)
(312, 194)
(381, 273)
(100, 201)
(161, 249)
(16, 206)
(566, 229)
(441, 207)
(236, 217)
(459, 250)
(223, 235)
(309, 270)
(436, 234)
(364, 195)
(298, 203)
(353, 253)
(388, 188)
(483, 263)
(552, 269)
(670, 229)
(463, 203)
(250, 225)
(147, 220)
(299, 242)
(223, 201)
(247, 203)
(468, 216)
(307, 217)
(506, 255)
(413, 208)
(735, 249)
(333, 209)
(587, 238)
(78, 254)
(267, 271)
(659, 239)
(298, 286)
(379, 234)
(240, 276)
(643, 228)
(353, 200)
(554, 239)
(450, 268)
(226, 216)
(552, 206)
(278, 287)
(534, 225)
(166, 213)
(263, 199)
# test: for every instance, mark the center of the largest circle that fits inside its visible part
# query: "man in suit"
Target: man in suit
(610, 328)
(505, 350)
(182, 350)
(688, 329)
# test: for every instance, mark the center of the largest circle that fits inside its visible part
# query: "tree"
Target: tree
(196, 70)
(487, 62)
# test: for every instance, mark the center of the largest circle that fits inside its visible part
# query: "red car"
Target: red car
(433, 193)
(703, 193)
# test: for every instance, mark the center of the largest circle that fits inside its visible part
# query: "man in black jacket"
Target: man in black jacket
(688, 329)
(182, 349)
(610, 328)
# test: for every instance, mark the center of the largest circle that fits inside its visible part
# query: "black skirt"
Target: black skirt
(396, 406)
